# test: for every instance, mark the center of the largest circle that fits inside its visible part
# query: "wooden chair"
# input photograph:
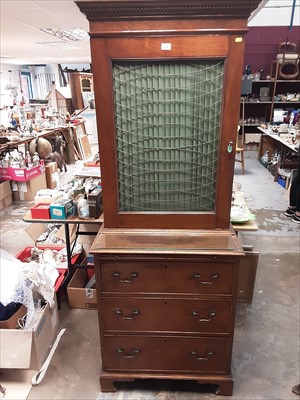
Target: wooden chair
(239, 149)
(287, 62)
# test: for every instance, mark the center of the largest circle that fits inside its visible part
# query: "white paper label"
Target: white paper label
(166, 46)
(57, 212)
(14, 186)
(55, 177)
(22, 187)
(89, 294)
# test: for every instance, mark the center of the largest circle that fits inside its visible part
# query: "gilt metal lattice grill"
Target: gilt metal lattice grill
(167, 117)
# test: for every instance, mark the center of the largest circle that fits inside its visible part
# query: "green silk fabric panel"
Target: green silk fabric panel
(167, 118)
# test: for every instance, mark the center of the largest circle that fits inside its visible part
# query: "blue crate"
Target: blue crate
(282, 181)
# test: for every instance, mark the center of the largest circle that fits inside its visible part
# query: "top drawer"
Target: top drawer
(167, 277)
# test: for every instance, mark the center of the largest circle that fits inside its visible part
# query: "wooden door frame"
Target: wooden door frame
(193, 47)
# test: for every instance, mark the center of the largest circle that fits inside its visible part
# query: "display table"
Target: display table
(89, 172)
(249, 226)
(47, 133)
(66, 222)
(67, 131)
(280, 143)
(279, 138)
(247, 223)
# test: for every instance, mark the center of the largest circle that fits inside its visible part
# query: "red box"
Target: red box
(40, 211)
(24, 254)
(91, 164)
(21, 174)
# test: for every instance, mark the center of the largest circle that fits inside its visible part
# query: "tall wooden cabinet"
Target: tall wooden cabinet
(167, 89)
(80, 83)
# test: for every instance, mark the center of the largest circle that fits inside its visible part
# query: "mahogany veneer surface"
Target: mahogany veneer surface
(166, 304)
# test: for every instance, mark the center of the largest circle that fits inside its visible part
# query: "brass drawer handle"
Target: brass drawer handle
(212, 314)
(213, 278)
(119, 313)
(132, 354)
(133, 275)
(203, 358)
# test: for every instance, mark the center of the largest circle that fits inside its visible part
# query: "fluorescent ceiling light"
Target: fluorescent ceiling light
(59, 45)
(10, 87)
(74, 34)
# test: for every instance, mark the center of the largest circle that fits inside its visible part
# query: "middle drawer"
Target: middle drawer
(137, 314)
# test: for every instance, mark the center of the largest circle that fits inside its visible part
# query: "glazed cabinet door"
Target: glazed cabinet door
(167, 129)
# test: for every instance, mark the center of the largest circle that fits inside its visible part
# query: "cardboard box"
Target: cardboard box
(91, 164)
(28, 348)
(61, 208)
(95, 203)
(47, 196)
(24, 254)
(21, 174)
(12, 322)
(252, 137)
(40, 211)
(5, 195)
(52, 176)
(27, 190)
(283, 181)
(78, 296)
(35, 230)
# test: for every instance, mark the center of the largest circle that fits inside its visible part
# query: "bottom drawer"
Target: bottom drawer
(178, 354)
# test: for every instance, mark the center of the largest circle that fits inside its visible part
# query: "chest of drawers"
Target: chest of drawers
(166, 310)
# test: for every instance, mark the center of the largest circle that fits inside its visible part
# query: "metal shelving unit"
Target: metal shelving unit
(255, 112)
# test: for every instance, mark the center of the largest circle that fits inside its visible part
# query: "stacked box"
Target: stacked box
(21, 174)
(24, 254)
(78, 295)
(282, 180)
(5, 195)
(23, 349)
(61, 208)
(52, 176)
(47, 196)
(95, 203)
(27, 190)
(12, 322)
(40, 211)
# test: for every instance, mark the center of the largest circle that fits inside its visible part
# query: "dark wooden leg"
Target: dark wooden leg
(107, 384)
(225, 388)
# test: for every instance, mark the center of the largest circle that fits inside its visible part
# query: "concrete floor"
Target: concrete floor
(266, 343)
